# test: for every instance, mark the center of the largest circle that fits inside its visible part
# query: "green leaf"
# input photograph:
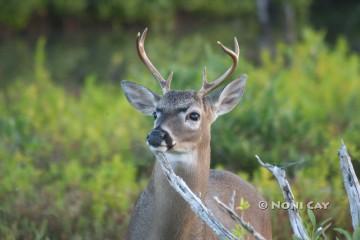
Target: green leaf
(343, 232)
(312, 217)
(356, 234)
(326, 221)
(243, 205)
(322, 228)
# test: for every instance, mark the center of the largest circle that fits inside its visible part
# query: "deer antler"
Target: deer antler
(164, 84)
(208, 87)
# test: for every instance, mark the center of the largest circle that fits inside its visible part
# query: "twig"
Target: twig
(195, 203)
(294, 217)
(351, 183)
(247, 226)
(232, 200)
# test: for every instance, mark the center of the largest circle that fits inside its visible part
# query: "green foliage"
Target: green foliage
(57, 173)
(65, 7)
(70, 156)
(297, 106)
(317, 230)
(305, 106)
(239, 231)
(354, 236)
(243, 205)
(17, 14)
(312, 217)
(219, 8)
(348, 235)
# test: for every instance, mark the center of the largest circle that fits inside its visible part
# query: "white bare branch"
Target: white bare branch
(194, 202)
(232, 200)
(294, 216)
(351, 183)
(239, 219)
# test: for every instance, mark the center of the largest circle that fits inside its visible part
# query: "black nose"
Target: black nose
(156, 136)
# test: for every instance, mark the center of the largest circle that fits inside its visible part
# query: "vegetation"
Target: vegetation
(59, 178)
(18, 14)
(73, 161)
(164, 14)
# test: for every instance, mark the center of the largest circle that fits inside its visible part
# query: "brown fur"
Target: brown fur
(160, 213)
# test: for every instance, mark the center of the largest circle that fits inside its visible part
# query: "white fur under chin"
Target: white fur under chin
(177, 159)
(157, 149)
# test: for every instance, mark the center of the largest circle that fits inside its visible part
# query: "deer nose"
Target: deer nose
(156, 136)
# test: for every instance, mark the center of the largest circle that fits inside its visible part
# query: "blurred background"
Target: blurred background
(73, 157)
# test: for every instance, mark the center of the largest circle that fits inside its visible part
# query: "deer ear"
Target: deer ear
(140, 97)
(225, 100)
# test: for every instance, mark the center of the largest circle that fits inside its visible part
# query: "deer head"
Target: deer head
(183, 118)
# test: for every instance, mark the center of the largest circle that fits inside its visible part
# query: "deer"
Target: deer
(182, 132)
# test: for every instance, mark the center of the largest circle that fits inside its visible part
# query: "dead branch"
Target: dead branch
(239, 219)
(294, 216)
(194, 202)
(351, 183)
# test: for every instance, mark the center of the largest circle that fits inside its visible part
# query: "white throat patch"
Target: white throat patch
(177, 159)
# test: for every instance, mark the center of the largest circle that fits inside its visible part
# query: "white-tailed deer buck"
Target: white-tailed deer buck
(182, 131)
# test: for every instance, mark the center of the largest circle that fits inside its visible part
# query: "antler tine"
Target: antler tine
(204, 75)
(140, 40)
(208, 87)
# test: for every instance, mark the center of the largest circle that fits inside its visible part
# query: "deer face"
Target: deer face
(179, 120)
(182, 119)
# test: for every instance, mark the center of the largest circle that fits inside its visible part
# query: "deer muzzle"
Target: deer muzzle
(159, 138)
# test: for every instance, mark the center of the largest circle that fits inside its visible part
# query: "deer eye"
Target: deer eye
(155, 115)
(194, 116)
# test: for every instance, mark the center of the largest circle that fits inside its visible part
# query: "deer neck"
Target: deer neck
(173, 215)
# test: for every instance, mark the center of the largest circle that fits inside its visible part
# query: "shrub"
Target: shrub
(73, 159)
